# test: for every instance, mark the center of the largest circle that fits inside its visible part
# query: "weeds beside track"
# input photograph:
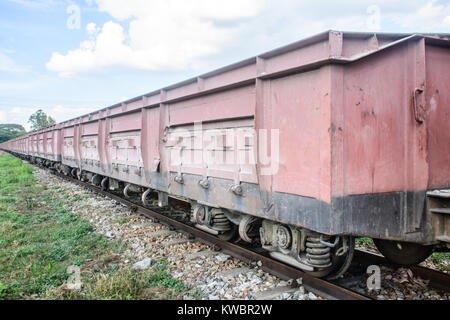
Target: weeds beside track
(40, 238)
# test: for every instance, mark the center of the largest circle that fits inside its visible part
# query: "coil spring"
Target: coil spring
(216, 220)
(220, 222)
(318, 254)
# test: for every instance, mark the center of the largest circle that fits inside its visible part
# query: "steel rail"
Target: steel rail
(317, 286)
(438, 280)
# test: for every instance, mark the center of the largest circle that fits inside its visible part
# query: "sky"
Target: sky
(69, 58)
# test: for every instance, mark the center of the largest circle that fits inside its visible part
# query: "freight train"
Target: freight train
(298, 150)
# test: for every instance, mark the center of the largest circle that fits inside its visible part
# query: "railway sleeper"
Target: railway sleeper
(317, 254)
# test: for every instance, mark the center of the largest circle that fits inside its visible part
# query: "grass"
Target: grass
(364, 242)
(40, 238)
(441, 260)
(162, 278)
(128, 285)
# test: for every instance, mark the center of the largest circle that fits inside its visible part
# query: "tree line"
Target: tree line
(38, 120)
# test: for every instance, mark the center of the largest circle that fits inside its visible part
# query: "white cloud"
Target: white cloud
(180, 34)
(157, 9)
(35, 3)
(8, 65)
(60, 113)
(20, 115)
(162, 34)
(446, 21)
(92, 29)
(428, 17)
(2, 116)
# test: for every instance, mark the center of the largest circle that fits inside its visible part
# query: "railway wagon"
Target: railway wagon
(297, 150)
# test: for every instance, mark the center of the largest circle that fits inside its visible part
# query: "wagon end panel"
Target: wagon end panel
(124, 148)
(89, 147)
(438, 115)
(32, 145)
(379, 149)
(49, 141)
(297, 189)
(150, 147)
(68, 141)
(57, 145)
(41, 145)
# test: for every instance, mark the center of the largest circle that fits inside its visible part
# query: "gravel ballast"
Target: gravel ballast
(214, 274)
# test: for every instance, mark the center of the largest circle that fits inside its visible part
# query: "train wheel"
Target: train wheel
(403, 253)
(228, 235)
(342, 263)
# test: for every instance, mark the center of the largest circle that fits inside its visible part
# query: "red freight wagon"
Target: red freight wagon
(335, 136)
(44, 146)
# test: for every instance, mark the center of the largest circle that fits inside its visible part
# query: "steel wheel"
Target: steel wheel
(228, 235)
(403, 253)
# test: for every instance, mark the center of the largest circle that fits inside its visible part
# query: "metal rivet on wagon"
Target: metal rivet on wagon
(237, 189)
(204, 183)
(179, 179)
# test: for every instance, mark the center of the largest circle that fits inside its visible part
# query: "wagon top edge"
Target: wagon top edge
(332, 51)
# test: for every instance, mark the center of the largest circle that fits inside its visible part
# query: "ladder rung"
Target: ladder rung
(441, 210)
(443, 238)
(439, 194)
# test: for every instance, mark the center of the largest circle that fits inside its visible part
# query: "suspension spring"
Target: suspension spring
(219, 221)
(212, 218)
(317, 253)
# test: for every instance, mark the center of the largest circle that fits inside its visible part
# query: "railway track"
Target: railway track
(320, 287)
(437, 280)
(355, 278)
(335, 290)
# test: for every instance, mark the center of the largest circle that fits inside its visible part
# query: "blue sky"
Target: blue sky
(72, 57)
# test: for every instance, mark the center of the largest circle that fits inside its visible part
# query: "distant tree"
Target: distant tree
(40, 120)
(10, 131)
